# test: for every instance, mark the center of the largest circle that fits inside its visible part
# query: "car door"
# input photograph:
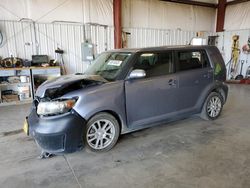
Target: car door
(194, 74)
(152, 98)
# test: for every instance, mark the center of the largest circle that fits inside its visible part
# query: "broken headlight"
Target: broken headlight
(55, 107)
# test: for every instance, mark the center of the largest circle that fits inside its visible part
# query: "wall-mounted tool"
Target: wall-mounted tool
(234, 57)
(59, 60)
(240, 76)
(125, 36)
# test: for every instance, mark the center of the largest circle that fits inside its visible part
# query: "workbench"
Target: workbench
(23, 89)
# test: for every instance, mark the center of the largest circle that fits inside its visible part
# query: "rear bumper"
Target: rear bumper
(57, 134)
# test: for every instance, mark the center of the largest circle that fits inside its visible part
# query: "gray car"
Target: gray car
(126, 90)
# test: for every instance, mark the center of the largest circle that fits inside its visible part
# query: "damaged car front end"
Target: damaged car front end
(53, 122)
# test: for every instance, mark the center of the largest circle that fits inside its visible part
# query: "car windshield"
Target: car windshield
(108, 65)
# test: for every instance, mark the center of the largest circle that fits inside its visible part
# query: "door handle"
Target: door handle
(207, 75)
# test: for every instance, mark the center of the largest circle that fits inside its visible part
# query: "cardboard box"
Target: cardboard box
(10, 98)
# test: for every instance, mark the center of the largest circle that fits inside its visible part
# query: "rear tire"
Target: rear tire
(102, 132)
(212, 106)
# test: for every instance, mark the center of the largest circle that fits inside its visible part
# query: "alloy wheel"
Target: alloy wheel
(100, 134)
(214, 106)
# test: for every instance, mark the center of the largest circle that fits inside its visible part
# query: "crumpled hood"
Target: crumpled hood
(61, 85)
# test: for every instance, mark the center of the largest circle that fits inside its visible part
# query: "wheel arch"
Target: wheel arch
(220, 88)
(114, 114)
(221, 92)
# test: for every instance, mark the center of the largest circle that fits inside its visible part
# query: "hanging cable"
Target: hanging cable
(1, 38)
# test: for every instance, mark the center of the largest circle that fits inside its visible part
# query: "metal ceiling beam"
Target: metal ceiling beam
(196, 3)
(237, 2)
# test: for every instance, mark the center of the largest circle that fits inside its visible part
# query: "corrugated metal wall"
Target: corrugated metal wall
(101, 36)
(18, 38)
(27, 38)
(24, 39)
(67, 37)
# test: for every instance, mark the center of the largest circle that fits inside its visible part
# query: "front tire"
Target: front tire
(212, 107)
(102, 132)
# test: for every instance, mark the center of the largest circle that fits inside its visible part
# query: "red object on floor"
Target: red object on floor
(245, 81)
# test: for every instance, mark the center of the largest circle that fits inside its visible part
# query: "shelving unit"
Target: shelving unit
(25, 101)
(19, 92)
(23, 92)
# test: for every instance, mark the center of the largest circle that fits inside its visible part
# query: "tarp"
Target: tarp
(94, 11)
(136, 13)
(167, 15)
(237, 16)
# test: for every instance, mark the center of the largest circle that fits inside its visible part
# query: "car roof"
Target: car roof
(159, 48)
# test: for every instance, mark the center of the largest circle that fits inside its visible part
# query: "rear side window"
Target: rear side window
(188, 60)
(155, 64)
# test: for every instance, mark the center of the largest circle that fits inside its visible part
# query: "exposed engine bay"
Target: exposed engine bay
(56, 88)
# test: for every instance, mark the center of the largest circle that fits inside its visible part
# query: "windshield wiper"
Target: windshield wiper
(79, 73)
(110, 70)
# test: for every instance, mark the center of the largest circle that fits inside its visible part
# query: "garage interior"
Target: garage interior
(67, 35)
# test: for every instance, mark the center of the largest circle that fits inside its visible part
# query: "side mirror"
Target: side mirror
(137, 73)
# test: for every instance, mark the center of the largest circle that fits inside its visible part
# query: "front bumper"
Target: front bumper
(57, 134)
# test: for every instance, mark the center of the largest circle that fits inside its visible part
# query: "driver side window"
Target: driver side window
(155, 64)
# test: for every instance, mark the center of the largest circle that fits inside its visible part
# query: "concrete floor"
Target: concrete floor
(184, 154)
